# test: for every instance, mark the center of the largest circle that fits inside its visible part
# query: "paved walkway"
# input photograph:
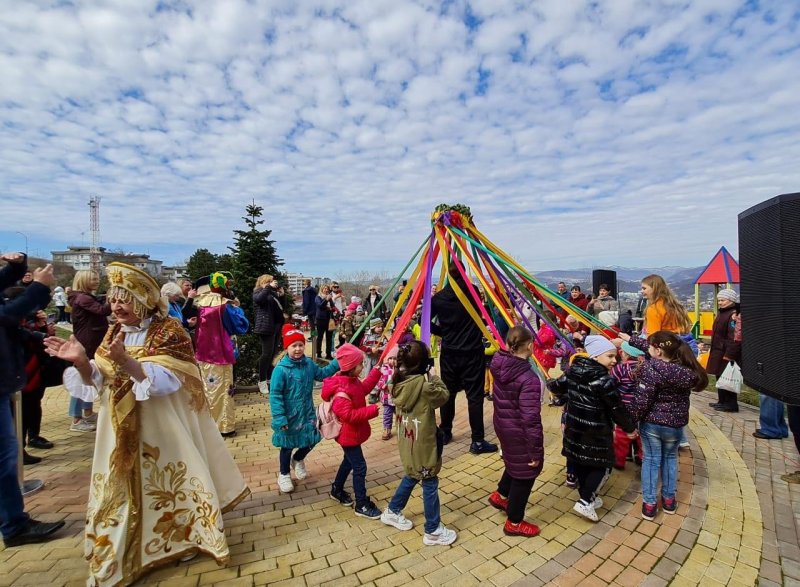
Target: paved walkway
(737, 522)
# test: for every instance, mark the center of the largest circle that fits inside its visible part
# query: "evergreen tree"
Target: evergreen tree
(253, 254)
(202, 262)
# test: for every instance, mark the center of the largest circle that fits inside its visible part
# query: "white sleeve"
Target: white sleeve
(158, 381)
(73, 382)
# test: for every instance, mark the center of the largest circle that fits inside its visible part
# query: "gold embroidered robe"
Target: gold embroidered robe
(161, 475)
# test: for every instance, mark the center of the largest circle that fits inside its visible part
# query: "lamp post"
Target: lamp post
(25, 236)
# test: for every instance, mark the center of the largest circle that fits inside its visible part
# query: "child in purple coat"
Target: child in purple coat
(518, 425)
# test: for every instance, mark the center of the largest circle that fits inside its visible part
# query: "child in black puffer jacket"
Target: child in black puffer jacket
(593, 406)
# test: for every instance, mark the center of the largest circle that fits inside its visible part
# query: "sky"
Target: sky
(581, 134)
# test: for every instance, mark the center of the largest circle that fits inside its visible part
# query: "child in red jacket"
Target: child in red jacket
(354, 414)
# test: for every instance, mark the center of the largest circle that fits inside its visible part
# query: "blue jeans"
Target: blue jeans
(77, 406)
(430, 499)
(12, 510)
(660, 444)
(770, 417)
(353, 461)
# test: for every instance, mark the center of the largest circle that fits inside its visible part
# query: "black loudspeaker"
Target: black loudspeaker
(769, 241)
(604, 276)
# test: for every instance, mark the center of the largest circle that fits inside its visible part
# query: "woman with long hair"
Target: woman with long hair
(324, 307)
(89, 325)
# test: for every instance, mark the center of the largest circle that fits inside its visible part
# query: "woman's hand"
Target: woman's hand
(116, 351)
(623, 336)
(69, 350)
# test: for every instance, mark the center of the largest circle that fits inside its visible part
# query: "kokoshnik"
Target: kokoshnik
(161, 475)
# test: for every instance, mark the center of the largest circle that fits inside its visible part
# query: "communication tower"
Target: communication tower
(94, 228)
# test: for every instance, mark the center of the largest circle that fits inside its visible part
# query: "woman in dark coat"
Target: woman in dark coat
(724, 348)
(324, 312)
(518, 425)
(267, 325)
(89, 326)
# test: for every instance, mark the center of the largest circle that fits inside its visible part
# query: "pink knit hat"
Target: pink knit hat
(348, 356)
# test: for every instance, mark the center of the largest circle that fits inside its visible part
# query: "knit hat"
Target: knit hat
(360, 310)
(355, 300)
(597, 345)
(728, 294)
(631, 350)
(348, 356)
(375, 322)
(292, 335)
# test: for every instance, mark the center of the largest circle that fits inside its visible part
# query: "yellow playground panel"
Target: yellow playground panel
(706, 322)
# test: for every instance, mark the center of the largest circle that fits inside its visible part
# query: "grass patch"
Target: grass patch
(63, 332)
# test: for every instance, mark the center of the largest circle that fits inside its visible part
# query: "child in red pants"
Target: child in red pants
(625, 374)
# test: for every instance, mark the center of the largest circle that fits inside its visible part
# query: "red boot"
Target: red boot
(498, 501)
(524, 528)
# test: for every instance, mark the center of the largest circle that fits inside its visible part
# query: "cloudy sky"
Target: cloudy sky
(580, 133)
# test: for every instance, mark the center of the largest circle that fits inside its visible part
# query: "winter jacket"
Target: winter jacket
(456, 327)
(723, 344)
(291, 401)
(268, 311)
(323, 309)
(662, 396)
(593, 406)
(517, 393)
(309, 309)
(545, 341)
(625, 375)
(59, 297)
(353, 411)
(369, 304)
(35, 297)
(416, 401)
(89, 320)
(602, 304)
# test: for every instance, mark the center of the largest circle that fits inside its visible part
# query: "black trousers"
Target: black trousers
(794, 423)
(270, 344)
(590, 480)
(323, 332)
(463, 370)
(517, 491)
(728, 398)
(31, 413)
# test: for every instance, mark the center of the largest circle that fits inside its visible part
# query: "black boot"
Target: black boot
(34, 532)
(30, 459)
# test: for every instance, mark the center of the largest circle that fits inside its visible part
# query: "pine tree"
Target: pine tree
(203, 262)
(253, 254)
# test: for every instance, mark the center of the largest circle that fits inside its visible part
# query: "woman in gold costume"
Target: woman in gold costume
(161, 476)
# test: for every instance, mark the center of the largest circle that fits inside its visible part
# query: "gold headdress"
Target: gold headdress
(130, 284)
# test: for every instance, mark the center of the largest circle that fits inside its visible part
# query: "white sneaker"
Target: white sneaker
(441, 537)
(586, 510)
(285, 483)
(263, 387)
(684, 444)
(91, 419)
(598, 502)
(299, 469)
(82, 426)
(399, 521)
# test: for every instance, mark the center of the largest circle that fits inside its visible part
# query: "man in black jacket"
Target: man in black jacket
(16, 526)
(462, 362)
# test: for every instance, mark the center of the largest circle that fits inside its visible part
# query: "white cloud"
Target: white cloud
(643, 123)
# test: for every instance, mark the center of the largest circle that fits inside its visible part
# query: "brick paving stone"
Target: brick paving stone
(736, 521)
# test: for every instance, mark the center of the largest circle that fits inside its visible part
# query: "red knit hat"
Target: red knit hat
(291, 334)
(348, 356)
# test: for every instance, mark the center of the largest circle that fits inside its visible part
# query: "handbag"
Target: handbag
(731, 378)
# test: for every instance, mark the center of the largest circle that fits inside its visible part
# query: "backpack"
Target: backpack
(327, 422)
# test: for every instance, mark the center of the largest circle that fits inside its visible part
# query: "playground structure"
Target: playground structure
(722, 269)
(510, 291)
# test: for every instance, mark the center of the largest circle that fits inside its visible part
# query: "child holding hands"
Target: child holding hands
(416, 395)
(347, 394)
(294, 418)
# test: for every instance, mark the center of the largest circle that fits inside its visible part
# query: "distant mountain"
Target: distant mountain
(680, 279)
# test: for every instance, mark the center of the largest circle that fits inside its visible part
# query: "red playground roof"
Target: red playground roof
(723, 268)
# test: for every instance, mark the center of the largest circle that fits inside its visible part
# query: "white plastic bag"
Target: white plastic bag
(731, 378)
